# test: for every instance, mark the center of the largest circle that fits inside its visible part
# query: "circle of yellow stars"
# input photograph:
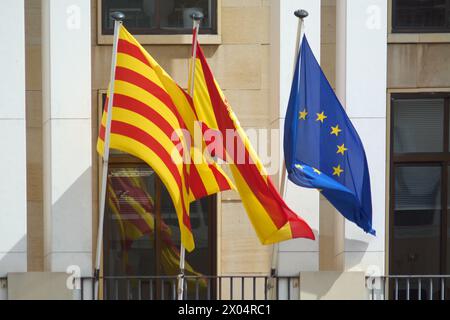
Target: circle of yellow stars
(336, 131)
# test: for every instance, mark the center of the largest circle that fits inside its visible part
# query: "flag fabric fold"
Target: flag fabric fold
(271, 218)
(322, 148)
(150, 121)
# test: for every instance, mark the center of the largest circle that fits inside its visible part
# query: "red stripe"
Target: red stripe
(266, 193)
(142, 82)
(146, 84)
(198, 187)
(144, 110)
(141, 136)
(132, 50)
(101, 133)
(144, 199)
(221, 181)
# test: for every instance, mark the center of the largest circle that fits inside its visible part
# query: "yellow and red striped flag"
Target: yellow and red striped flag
(272, 219)
(150, 115)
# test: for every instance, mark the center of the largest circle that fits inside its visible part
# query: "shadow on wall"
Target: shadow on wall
(69, 231)
(68, 227)
(15, 260)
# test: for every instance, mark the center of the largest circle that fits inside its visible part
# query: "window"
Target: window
(142, 238)
(145, 17)
(413, 16)
(420, 191)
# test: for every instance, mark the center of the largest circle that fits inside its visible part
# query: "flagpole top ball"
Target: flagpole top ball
(301, 14)
(118, 16)
(197, 16)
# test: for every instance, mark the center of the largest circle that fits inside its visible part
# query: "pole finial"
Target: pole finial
(301, 14)
(118, 16)
(197, 16)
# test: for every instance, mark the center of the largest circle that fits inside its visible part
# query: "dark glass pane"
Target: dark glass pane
(177, 13)
(142, 237)
(448, 226)
(198, 262)
(140, 15)
(129, 240)
(418, 125)
(420, 14)
(159, 16)
(417, 220)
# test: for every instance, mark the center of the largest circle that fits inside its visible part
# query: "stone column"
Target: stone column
(361, 48)
(67, 155)
(13, 212)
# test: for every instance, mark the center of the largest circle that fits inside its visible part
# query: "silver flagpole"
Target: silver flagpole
(301, 14)
(118, 18)
(197, 17)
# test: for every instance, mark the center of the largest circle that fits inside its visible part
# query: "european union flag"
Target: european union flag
(322, 148)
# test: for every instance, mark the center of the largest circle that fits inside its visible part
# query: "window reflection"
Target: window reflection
(142, 235)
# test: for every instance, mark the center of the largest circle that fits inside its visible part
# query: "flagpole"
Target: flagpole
(197, 17)
(301, 15)
(118, 18)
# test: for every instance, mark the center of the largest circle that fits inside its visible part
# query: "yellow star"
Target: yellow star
(321, 116)
(317, 171)
(335, 130)
(303, 114)
(299, 166)
(341, 149)
(337, 171)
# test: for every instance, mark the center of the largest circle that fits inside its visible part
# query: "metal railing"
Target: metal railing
(195, 288)
(409, 287)
(403, 287)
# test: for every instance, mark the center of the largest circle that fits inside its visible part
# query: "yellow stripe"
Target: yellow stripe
(205, 110)
(140, 151)
(131, 231)
(137, 93)
(258, 215)
(129, 62)
(146, 125)
(143, 214)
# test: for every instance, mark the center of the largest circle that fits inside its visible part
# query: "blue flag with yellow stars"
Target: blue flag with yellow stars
(322, 148)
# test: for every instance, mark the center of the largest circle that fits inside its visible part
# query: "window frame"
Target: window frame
(166, 38)
(417, 30)
(129, 161)
(441, 159)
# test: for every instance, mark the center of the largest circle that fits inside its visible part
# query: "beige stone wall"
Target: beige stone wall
(328, 40)
(34, 135)
(418, 65)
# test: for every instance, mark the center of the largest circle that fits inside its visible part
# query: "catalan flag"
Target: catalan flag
(147, 123)
(271, 217)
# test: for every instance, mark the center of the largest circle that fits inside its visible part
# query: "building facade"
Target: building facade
(388, 61)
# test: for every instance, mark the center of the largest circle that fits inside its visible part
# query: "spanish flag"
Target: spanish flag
(147, 123)
(271, 217)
